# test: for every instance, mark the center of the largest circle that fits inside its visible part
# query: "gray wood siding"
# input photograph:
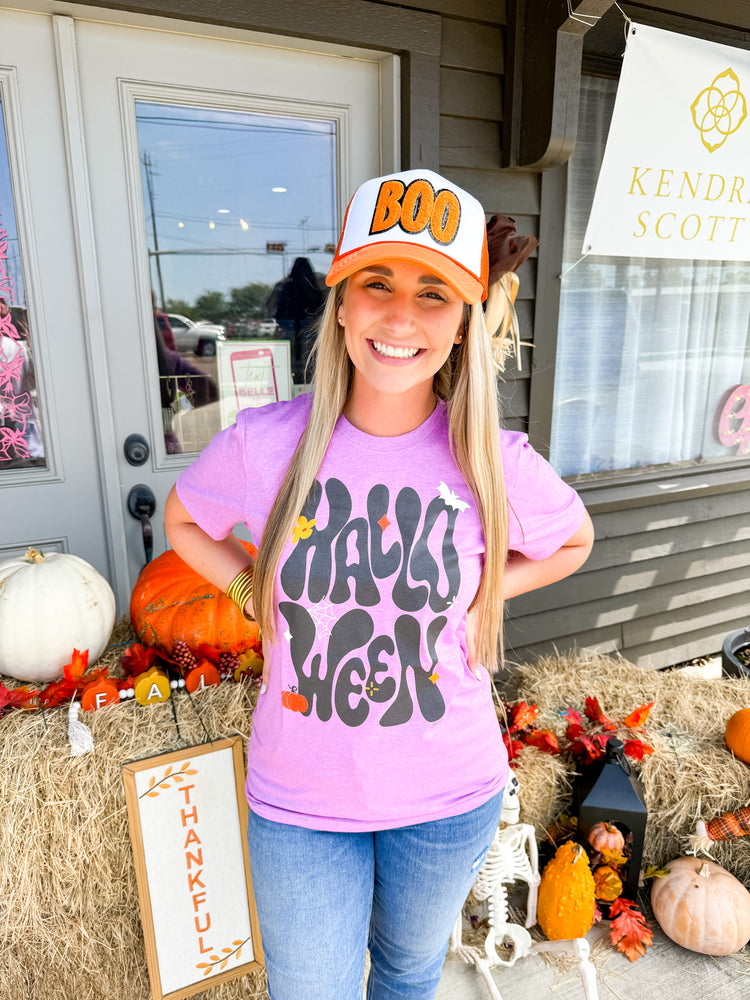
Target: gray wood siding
(663, 584)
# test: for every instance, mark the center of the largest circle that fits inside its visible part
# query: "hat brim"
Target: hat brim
(463, 282)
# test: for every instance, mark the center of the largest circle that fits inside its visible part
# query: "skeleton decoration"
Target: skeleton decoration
(513, 856)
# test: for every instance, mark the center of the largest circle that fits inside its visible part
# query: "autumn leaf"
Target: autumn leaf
(543, 739)
(57, 692)
(20, 697)
(206, 652)
(585, 749)
(522, 715)
(594, 712)
(637, 749)
(512, 746)
(74, 670)
(572, 716)
(137, 659)
(654, 872)
(614, 858)
(639, 716)
(628, 930)
(575, 724)
(562, 828)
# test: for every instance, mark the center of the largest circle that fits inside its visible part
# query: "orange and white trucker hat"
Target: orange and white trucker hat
(421, 218)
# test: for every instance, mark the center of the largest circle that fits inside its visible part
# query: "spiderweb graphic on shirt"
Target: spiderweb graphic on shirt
(324, 618)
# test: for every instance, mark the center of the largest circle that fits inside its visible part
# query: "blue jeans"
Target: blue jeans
(323, 898)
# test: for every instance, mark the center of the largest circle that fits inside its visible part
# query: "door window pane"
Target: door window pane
(21, 442)
(240, 215)
(648, 350)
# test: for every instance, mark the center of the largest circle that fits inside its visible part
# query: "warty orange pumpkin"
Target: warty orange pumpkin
(566, 894)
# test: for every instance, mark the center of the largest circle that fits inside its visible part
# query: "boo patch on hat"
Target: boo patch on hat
(421, 218)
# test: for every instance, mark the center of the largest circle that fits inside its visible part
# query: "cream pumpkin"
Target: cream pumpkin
(49, 606)
(702, 907)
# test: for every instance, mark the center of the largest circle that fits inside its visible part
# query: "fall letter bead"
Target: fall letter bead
(152, 687)
(98, 694)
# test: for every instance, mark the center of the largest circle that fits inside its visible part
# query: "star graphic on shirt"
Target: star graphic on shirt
(383, 522)
(371, 689)
(434, 678)
(288, 635)
(324, 618)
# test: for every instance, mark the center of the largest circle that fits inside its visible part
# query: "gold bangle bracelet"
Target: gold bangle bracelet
(240, 590)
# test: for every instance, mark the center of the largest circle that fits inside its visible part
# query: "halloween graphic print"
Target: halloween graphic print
(344, 665)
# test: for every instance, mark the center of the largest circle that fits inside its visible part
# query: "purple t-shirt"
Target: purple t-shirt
(372, 718)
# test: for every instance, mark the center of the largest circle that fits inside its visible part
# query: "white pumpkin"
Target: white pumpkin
(49, 606)
(702, 907)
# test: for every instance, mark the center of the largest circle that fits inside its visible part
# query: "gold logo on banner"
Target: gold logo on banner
(719, 110)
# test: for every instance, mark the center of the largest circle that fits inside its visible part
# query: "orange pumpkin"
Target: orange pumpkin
(566, 894)
(606, 837)
(737, 734)
(608, 883)
(294, 701)
(170, 601)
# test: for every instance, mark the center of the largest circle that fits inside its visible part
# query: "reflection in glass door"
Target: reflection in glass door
(240, 212)
(21, 443)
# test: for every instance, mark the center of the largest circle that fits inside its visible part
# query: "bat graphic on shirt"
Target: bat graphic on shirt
(450, 498)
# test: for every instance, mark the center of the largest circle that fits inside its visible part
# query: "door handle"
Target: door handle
(142, 504)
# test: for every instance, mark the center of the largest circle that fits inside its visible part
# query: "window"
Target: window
(21, 443)
(648, 350)
(240, 212)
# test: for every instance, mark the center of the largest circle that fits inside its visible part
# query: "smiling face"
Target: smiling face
(400, 324)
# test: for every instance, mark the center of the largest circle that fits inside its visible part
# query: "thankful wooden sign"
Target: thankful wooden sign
(188, 815)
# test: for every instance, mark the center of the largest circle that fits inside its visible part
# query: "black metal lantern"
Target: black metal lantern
(608, 792)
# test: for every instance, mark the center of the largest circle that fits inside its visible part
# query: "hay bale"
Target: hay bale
(69, 912)
(691, 774)
(546, 784)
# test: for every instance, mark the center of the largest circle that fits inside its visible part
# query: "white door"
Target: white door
(219, 171)
(51, 495)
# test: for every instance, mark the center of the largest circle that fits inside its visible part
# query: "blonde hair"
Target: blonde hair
(467, 383)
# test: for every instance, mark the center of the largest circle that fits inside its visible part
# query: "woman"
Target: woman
(387, 546)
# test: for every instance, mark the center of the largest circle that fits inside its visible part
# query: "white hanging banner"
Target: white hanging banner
(675, 179)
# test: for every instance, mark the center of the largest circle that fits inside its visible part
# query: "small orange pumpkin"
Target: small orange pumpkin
(606, 837)
(608, 883)
(170, 601)
(737, 734)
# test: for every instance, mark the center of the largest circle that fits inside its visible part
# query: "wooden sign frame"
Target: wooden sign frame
(192, 866)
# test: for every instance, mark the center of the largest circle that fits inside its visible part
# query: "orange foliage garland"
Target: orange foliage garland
(170, 601)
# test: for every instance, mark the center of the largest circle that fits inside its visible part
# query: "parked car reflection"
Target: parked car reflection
(198, 337)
